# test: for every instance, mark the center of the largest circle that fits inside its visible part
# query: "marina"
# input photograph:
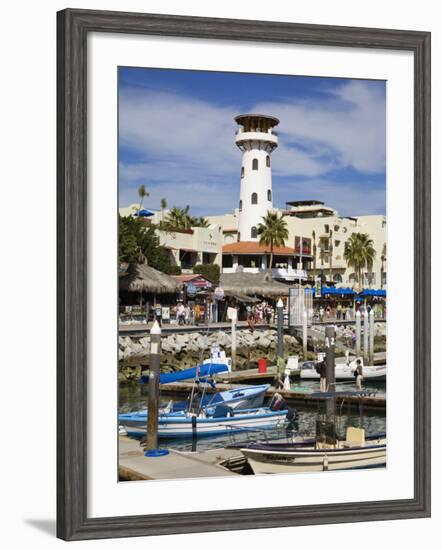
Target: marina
(254, 342)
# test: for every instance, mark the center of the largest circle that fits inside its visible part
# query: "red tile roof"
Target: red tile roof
(251, 247)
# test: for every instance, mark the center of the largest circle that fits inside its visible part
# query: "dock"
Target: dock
(133, 465)
(292, 397)
(141, 329)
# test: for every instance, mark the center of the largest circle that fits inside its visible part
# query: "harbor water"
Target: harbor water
(134, 397)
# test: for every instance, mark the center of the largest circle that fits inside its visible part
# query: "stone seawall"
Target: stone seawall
(181, 351)
(184, 350)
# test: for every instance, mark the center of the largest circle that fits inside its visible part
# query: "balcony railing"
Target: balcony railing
(288, 274)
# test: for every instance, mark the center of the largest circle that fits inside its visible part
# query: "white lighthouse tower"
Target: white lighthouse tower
(256, 139)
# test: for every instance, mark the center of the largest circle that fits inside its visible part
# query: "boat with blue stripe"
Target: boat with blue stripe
(224, 420)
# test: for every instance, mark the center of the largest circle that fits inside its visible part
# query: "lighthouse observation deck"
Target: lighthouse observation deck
(256, 128)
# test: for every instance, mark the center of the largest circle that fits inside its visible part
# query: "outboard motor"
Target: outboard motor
(277, 403)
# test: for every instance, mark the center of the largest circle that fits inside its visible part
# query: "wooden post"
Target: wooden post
(330, 339)
(358, 333)
(371, 346)
(304, 334)
(154, 387)
(233, 342)
(280, 327)
(366, 331)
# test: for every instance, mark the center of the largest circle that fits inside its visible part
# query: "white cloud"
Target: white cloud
(185, 147)
(349, 129)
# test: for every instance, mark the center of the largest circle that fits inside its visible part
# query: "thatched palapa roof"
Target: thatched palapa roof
(143, 278)
(252, 284)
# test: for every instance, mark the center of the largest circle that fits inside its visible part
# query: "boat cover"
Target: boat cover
(206, 369)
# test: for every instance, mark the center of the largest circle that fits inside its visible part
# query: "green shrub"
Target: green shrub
(210, 271)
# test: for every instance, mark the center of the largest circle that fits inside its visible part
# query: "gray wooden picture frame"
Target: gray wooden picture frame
(73, 27)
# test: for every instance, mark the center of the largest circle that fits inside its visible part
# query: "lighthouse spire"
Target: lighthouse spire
(257, 140)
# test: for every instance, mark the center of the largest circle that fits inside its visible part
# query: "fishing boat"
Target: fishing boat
(355, 452)
(346, 371)
(245, 397)
(224, 420)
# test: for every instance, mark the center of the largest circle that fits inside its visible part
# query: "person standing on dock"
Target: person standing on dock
(196, 313)
(187, 314)
(339, 311)
(158, 313)
(320, 369)
(358, 375)
(180, 313)
(250, 319)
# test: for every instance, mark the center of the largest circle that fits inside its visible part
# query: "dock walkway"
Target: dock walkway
(133, 465)
(142, 328)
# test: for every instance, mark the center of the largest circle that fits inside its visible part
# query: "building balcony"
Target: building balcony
(288, 274)
(256, 136)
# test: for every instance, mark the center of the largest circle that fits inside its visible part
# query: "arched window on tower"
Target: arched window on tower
(254, 198)
(269, 195)
(268, 161)
(253, 233)
(242, 172)
(255, 164)
(240, 206)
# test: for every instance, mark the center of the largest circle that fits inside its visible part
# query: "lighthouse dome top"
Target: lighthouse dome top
(251, 121)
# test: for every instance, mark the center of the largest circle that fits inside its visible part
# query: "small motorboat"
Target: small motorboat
(355, 452)
(245, 397)
(345, 371)
(224, 420)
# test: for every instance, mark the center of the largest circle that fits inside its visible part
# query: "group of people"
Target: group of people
(187, 314)
(330, 311)
(260, 313)
(345, 311)
(321, 370)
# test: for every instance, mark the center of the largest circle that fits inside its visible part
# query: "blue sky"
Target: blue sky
(176, 135)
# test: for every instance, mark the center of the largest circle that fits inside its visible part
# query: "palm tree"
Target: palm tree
(359, 253)
(142, 192)
(163, 205)
(175, 218)
(201, 221)
(273, 232)
(187, 218)
(180, 218)
(383, 260)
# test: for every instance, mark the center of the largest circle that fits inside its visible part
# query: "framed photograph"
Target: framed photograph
(243, 274)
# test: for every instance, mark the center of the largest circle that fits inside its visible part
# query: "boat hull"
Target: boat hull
(176, 427)
(312, 460)
(240, 398)
(343, 372)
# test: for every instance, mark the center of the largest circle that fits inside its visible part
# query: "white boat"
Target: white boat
(218, 357)
(245, 397)
(186, 424)
(345, 371)
(356, 452)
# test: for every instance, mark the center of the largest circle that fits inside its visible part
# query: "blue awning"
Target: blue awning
(367, 292)
(338, 291)
(144, 213)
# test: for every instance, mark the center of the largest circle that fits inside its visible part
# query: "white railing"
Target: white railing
(289, 274)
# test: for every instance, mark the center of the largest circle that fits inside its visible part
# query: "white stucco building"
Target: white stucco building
(187, 247)
(316, 243)
(317, 233)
